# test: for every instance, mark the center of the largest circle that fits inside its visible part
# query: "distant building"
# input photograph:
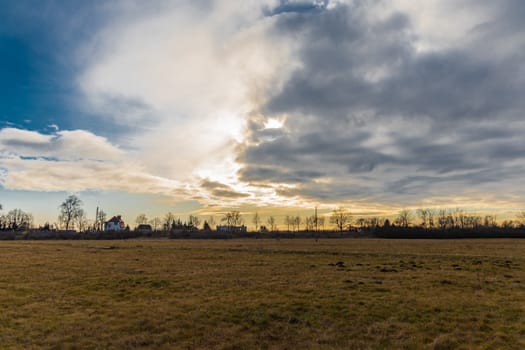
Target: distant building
(229, 228)
(115, 224)
(144, 228)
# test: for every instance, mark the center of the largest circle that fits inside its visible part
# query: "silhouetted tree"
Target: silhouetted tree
(297, 222)
(310, 223)
(475, 221)
(520, 217)
(320, 222)
(155, 223)
(425, 215)
(256, 221)
(361, 222)
(507, 224)
(232, 218)
(445, 220)
(100, 219)
(81, 220)
(141, 219)
(70, 209)
(169, 220)
(490, 221)
(340, 218)
(17, 219)
(288, 221)
(271, 223)
(404, 218)
(194, 221)
(373, 222)
(458, 217)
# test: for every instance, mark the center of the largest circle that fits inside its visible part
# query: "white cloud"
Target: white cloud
(45, 175)
(15, 136)
(74, 160)
(62, 145)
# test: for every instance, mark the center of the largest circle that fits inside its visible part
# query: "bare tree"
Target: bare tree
(373, 222)
(404, 218)
(256, 221)
(490, 221)
(4, 224)
(361, 222)
(232, 218)
(271, 223)
(100, 220)
(155, 222)
(194, 221)
(458, 218)
(17, 219)
(69, 211)
(475, 221)
(81, 220)
(508, 224)
(427, 217)
(520, 218)
(423, 216)
(169, 220)
(320, 222)
(444, 221)
(310, 223)
(297, 221)
(288, 220)
(431, 218)
(141, 219)
(340, 218)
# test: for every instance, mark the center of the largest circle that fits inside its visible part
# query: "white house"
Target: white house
(231, 228)
(114, 224)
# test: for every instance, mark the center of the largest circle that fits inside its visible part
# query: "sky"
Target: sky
(200, 107)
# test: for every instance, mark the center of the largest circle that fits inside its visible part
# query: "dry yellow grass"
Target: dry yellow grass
(263, 294)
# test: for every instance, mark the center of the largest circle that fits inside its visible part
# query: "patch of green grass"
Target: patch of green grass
(263, 294)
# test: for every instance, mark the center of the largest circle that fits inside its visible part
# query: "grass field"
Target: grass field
(263, 294)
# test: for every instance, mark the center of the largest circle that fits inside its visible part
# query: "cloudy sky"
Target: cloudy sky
(205, 106)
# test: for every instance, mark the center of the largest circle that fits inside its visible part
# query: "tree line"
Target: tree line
(341, 219)
(73, 217)
(16, 219)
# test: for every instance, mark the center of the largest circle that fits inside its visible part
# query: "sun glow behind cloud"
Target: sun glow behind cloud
(195, 76)
(273, 123)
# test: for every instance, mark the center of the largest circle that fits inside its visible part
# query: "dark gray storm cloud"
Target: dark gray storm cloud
(286, 6)
(220, 190)
(378, 118)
